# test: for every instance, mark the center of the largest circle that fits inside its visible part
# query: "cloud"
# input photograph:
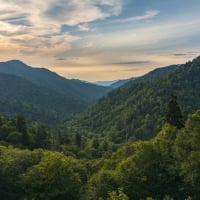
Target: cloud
(148, 15)
(131, 63)
(87, 45)
(180, 54)
(74, 12)
(83, 27)
(8, 29)
(48, 46)
(36, 26)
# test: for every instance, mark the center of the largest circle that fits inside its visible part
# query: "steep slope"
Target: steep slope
(136, 110)
(19, 96)
(75, 89)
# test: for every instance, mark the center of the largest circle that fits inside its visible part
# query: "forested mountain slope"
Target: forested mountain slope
(136, 110)
(74, 89)
(19, 96)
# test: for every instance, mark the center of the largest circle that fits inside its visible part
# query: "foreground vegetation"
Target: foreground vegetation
(164, 167)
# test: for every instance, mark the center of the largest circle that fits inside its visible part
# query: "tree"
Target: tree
(41, 136)
(95, 143)
(174, 115)
(22, 128)
(100, 184)
(119, 195)
(52, 178)
(78, 139)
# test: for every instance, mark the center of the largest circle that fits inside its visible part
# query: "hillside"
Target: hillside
(75, 89)
(19, 96)
(136, 110)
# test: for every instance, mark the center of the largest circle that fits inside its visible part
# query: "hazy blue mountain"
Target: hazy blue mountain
(115, 83)
(105, 83)
(76, 89)
(120, 83)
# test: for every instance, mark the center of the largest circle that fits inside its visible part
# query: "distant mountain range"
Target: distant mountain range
(122, 82)
(137, 109)
(105, 83)
(115, 83)
(43, 95)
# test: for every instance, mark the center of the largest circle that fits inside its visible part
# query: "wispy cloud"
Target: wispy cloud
(83, 27)
(148, 15)
(131, 63)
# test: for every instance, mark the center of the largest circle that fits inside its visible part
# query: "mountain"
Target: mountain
(120, 83)
(137, 109)
(19, 96)
(158, 72)
(75, 89)
(105, 83)
(115, 83)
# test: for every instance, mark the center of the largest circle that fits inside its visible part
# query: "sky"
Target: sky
(100, 39)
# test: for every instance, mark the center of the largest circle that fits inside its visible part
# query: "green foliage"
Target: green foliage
(15, 131)
(78, 140)
(40, 136)
(14, 162)
(52, 178)
(174, 115)
(39, 174)
(19, 96)
(101, 184)
(119, 195)
(22, 128)
(136, 111)
(166, 167)
(188, 154)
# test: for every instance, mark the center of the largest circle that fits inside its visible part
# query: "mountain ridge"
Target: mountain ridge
(86, 92)
(136, 110)
(19, 96)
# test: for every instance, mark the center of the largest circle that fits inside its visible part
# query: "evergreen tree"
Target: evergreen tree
(174, 115)
(22, 128)
(78, 140)
(95, 143)
(41, 137)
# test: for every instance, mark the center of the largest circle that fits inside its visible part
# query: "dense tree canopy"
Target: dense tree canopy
(165, 167)
(136, 111)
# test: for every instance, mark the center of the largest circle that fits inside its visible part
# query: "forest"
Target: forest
(165, 167)
(139, 142)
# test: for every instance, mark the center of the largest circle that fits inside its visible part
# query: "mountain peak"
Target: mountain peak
(15, 62)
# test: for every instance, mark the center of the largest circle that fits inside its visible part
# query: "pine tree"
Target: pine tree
(78, 139)
(174, 115)
(22, 128)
